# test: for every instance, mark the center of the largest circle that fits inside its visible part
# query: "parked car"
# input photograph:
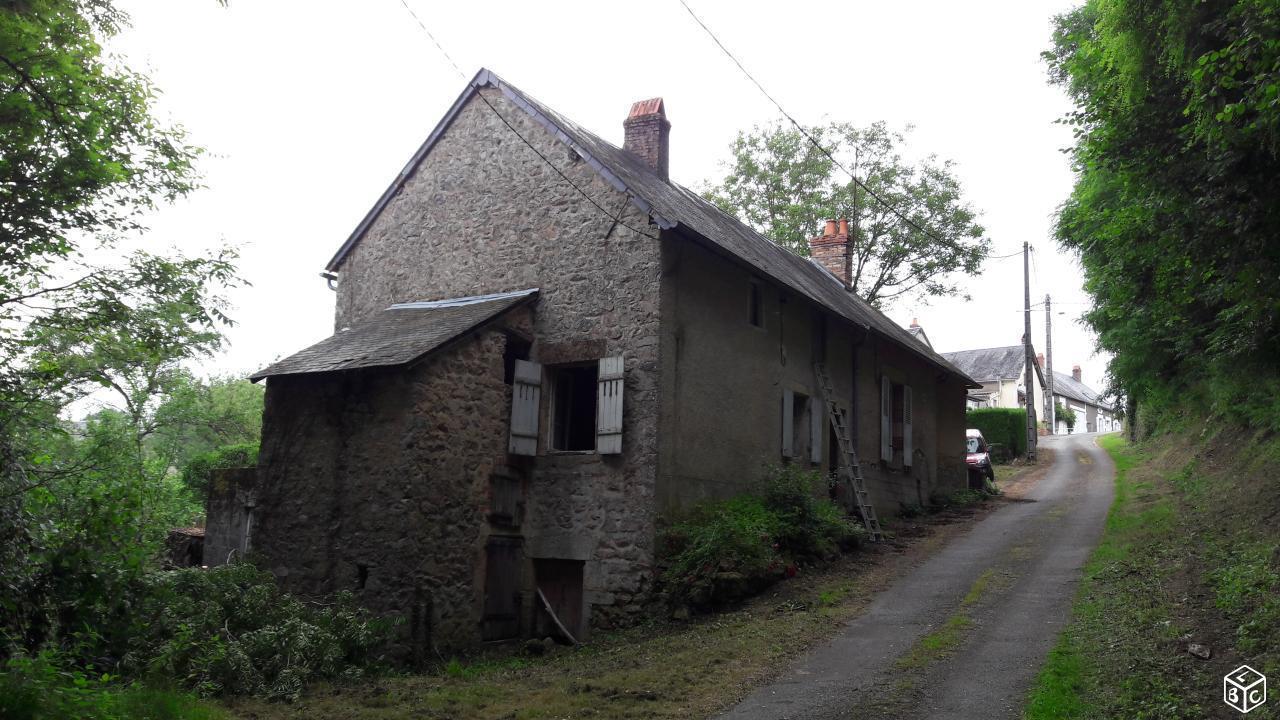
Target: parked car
(978, 458)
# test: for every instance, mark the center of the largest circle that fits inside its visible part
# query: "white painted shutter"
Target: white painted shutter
(906, 425)
(526, 396)
(609, 406)
(788, 427)
(816, 415)
(886, 419)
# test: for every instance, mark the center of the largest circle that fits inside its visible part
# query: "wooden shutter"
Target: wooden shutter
(609, 406)
(816, 414)
(906, 425)
(788, 427)
(526, 396)
(886, 419)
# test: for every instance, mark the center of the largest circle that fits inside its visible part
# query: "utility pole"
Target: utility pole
(1051, 411)
(1029, 371)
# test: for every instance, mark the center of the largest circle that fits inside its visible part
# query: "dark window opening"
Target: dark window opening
(362, 576)
(517, 349)
(756, 313)
(573, 426)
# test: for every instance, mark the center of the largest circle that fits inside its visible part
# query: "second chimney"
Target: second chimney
(647, 135)
(1075, 373)
(832, 250)
(1040, 360)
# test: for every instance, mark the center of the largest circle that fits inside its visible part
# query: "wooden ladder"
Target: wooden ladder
(850, 471)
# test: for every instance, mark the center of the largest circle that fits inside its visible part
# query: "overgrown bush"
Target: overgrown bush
(1004, 427)
(732, 549)
(230, 630)
(47, 685)
(198, 472)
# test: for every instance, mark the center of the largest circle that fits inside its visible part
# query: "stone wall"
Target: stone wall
(483, 214)
(376, 482)
(724, 379)
(229, 510)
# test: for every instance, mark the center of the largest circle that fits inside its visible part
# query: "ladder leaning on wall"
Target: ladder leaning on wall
(849, 472)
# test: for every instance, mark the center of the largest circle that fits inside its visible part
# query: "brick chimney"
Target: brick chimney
(915, 322)
(1040, 360)
(832, 250)
(647, 134)
(1075, 373)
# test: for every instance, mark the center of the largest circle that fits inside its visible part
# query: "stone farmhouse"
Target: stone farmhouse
(543, 348)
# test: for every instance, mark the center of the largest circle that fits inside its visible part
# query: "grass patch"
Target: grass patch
(1181, 560)
(947, 638)
(47, 686)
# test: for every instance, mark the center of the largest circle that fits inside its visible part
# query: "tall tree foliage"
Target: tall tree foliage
(83, 508)
(1174, 211)
(783, 186)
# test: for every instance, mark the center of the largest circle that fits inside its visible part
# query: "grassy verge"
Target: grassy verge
(1181, 561)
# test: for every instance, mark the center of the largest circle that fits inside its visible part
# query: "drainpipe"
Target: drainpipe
(331, 279)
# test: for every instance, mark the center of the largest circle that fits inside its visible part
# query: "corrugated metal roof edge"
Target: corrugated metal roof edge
(528, 296)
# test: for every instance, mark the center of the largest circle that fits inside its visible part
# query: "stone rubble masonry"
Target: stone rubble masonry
(231, 500)
(483, 213)
(376, 482)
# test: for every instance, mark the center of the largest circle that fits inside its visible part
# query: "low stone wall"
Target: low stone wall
(229, 515)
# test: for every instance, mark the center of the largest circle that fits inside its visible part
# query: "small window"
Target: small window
(573, 408)
(755, 314)
(517, 349)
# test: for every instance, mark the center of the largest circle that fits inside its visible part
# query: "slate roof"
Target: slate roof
(1068, 386)
(398, 335)
(990, 364)
(671, 206)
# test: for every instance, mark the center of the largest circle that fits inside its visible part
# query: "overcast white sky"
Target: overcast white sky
(309, 109)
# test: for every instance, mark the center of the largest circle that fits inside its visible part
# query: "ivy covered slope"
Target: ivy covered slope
(1174, 211)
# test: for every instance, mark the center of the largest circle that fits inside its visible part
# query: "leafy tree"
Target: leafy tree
(1066, 415)
(783, 186)
(217, 422)
(1173, 212)
(79, 149)
(83, 508)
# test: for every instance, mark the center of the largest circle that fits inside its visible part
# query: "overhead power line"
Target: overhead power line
(616, 218)
(806, 133)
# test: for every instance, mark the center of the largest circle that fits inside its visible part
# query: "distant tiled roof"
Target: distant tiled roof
(670, 206)
(398, 335)
(1068, 386)
(989, 364)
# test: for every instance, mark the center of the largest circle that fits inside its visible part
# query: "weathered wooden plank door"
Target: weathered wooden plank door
(501, 617)
(561, 582)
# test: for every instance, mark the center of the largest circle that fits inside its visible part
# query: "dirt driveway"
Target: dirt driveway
(962, 635)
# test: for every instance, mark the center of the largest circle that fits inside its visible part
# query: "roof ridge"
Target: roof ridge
(651, 194)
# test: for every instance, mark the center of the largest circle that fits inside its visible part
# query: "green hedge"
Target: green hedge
(1006, 427)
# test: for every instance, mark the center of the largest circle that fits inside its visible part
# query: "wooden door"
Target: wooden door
(501, 618)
